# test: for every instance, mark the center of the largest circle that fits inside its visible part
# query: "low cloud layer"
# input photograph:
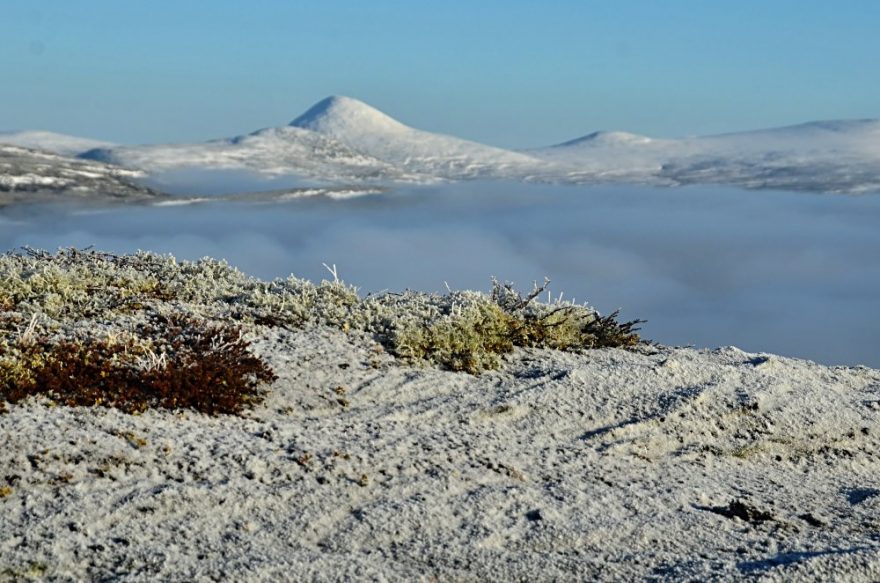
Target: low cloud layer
(791, 273)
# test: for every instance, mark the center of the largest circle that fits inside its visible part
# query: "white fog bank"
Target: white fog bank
(789, 273)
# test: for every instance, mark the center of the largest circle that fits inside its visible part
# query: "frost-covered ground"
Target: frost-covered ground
(660, 463)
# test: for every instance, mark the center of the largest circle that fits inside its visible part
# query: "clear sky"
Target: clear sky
(515, 73)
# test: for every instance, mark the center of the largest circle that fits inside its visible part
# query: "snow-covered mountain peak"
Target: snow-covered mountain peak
(338, 115)
(368, 131)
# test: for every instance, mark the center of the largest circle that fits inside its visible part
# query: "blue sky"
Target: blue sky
(514, 73)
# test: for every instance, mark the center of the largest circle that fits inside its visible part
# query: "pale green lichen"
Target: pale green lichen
(88, 297)
(470, 331)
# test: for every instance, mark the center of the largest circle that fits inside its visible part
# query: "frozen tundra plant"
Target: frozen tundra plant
(143, 330)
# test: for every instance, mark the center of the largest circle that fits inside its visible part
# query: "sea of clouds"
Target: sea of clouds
(790, 273)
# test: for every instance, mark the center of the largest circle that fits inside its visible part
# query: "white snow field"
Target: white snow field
(341, 139)
(283, 150)
(825, 156)
(52, 142)
(661, 464)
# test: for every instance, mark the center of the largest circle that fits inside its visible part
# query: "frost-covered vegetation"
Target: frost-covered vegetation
(144, 330)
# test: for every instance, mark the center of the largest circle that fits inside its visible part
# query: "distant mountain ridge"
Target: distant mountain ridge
(28, 175)
(841, 156)
(341, 139)
(52, 142)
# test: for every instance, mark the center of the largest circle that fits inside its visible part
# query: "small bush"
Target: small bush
(176, 363)
(470, 332)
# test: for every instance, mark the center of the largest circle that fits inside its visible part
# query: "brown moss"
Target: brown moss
(205, 367)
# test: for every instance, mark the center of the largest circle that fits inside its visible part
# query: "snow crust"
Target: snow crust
(663, 464)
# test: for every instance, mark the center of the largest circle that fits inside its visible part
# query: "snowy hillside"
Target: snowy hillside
(33, 175)
(827, 156)
(341, 139)
(282, 150)
(337, 139)
(51, 142)
(370, 131)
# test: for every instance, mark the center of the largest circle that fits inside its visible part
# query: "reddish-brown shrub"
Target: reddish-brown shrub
(206, 367)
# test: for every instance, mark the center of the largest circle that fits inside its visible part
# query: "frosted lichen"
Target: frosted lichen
(143, 315)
